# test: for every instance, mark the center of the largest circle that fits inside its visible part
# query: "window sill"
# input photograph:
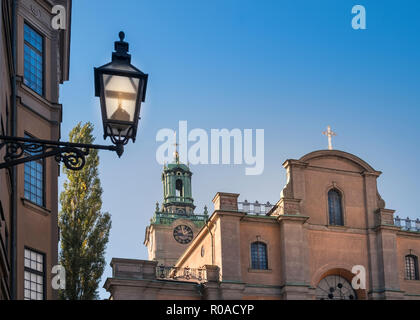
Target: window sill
(33, 206)
(250, 270)
(412, 280)
(33, 92)
(338, 228)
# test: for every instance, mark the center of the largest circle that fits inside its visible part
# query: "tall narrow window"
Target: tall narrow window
(411, 267)
(34, 181)
(34, 275)
(179, 188)
(259, 256)
(335, 208)
(33, 58)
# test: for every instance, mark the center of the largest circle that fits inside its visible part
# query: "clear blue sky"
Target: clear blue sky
(289, 67)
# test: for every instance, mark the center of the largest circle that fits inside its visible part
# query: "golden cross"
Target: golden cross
(329, 133)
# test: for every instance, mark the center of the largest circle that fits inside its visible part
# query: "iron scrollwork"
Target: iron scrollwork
(22, 150)
(74, 159)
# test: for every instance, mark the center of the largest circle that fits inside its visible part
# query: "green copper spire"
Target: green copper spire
(177, 189)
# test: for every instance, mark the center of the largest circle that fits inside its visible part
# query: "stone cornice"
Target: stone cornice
(340, 154)
(151, 284)
(387, 227)
(292, 218)
(259, 219)
(374, 173)
(295, 163)
(408, 234)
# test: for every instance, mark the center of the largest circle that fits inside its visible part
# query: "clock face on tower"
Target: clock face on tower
(183, 234)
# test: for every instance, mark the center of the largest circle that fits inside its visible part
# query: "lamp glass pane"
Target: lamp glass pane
(120, 98)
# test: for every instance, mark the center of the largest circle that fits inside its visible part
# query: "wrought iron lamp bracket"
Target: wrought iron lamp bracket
(72, 155)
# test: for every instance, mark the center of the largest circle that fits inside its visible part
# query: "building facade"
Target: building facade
(34, 61)
(329, 225)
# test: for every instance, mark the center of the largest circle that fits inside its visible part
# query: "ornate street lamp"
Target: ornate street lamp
(121, 88)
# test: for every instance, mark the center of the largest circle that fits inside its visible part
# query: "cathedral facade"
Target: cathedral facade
(330, 236)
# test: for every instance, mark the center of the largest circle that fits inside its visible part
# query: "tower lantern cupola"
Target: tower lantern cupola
(177, 189)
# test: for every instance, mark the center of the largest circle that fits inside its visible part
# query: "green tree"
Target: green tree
(84, 229)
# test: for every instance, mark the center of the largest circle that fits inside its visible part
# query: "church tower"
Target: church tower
(174, 224)
(177, 191)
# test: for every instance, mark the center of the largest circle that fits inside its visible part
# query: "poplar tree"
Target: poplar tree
(84, 229)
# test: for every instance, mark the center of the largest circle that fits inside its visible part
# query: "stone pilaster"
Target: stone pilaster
(294, 257)
(387, 265)
(228, 241)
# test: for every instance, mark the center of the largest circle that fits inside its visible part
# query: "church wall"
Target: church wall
(268, 233)
(315, 204)
(408, 244)
(195, 259)
(335, 250)
(228, 252)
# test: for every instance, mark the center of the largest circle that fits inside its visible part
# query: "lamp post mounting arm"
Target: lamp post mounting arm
(73, 155)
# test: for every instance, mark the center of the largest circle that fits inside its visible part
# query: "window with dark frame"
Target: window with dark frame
(179, 188)
(33, 60)
(34, 180)
(34, 275)
(335, 208)
(259, 256)
(411, 267)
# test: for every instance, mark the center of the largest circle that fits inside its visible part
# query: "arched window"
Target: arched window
(411, 267)
(178, 188)
(259, 256)
(335, 287)
(335, 208)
